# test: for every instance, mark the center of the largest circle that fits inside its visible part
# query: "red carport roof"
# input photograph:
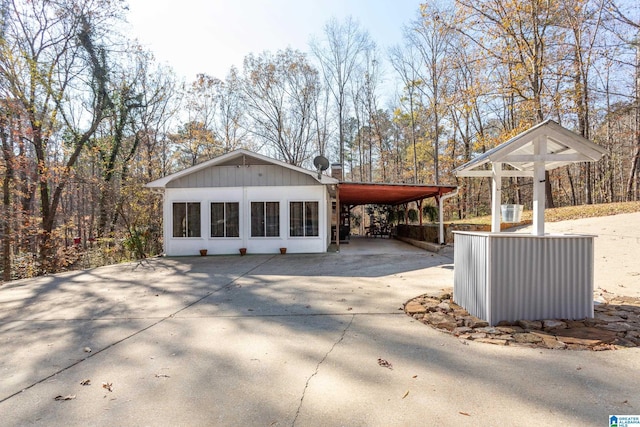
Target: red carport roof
(359, 193)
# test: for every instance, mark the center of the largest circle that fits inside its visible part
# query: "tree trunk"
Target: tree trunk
(7, 216)
(572, 186)
(635, 163)
(548, 190)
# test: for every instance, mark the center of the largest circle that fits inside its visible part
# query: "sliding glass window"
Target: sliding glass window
(303, 219)
(186, 219)
(225, 219)
(265, 219)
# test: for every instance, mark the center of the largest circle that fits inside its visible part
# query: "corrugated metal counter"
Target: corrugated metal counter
(509, 276)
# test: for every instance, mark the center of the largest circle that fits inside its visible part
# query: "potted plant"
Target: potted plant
(203, 252)
(243, 251)
(283, 251)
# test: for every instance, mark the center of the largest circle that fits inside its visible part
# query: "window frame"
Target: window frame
(304, 220)
(265, 223)
(225, 219)
(185, 229)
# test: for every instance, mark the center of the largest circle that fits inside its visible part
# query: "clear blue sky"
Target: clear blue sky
(200, 36)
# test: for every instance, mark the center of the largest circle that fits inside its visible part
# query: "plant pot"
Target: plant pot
(283, 251)
(243, 251)
(203, 252)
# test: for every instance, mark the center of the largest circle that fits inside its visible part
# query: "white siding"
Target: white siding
(239, 176)
(244, 196)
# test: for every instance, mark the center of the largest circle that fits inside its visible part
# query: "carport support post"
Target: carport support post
(496, 196)
(440, 199)
(338, 210)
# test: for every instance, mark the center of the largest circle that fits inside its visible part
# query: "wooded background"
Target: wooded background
(87, 116)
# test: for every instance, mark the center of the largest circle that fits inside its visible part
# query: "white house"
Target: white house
(246, 200)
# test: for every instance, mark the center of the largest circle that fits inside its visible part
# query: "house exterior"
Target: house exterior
(246, 200)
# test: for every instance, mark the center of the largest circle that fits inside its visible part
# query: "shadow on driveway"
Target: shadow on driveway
(278, 340)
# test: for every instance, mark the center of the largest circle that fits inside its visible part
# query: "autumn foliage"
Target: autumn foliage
(87, 116)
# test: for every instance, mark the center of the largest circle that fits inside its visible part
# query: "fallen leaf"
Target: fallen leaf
(85, 382)
(350, 308)
(162, 376)
(406, 394)
(68, 397)
(108, 386)
(384, 363)
(578, 368)
(415, 376)
(465, 414)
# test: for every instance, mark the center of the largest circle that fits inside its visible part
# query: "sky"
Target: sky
(200, 36)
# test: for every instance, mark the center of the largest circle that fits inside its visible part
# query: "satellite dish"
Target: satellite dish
(321, 163)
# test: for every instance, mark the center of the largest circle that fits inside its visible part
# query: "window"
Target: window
(225, 219)
(303, 219)
(265, 219)
(186, 219)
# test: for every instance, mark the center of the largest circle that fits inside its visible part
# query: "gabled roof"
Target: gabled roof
(563, 147)
(239, 157)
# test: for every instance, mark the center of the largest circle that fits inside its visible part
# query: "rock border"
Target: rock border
(615, 325)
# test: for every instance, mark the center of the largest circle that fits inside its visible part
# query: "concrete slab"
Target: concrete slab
(361, 245)
(436, 380)
(279, 340)
(617, 269)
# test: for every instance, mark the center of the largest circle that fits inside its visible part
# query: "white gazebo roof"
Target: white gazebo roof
(544, 147)
(562, 148)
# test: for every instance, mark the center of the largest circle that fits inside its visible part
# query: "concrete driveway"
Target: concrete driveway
(278, 340)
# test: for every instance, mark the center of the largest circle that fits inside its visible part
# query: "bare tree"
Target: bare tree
(404, 60)
(518, 37)
(280, 93)
(339, 54)
(431, 35)
(625, 17)
(230, 121)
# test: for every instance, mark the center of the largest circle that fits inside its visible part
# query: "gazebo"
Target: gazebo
(509, 276)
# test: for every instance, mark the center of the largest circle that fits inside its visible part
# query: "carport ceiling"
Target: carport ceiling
(356, 193)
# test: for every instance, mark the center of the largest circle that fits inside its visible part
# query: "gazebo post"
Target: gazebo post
(496, 196)
(539, 193)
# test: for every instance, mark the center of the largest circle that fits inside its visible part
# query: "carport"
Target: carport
(351, 194)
